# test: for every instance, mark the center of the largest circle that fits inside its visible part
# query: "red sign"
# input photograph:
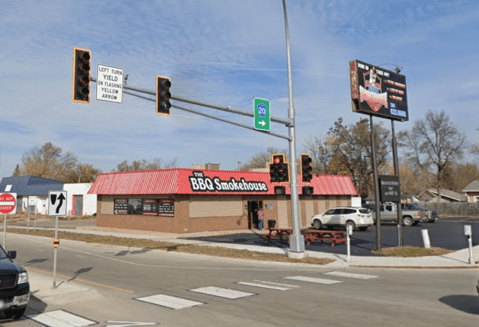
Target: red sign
(8, 203)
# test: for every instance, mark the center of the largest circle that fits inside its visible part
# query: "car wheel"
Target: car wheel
(15, 313)
(363, 228)
(407, 221)
(317, 224)
(352, 224)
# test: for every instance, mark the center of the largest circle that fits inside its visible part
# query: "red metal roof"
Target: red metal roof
(195, 181)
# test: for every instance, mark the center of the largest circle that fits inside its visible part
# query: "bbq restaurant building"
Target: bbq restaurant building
(192, 200)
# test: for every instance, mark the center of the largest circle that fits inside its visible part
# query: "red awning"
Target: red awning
(195, 181)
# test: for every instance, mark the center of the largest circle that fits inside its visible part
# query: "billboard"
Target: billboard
(378, 92)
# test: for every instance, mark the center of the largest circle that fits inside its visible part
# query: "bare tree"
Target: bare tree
(346, 150)
(432, 144)
(143, 164)
(47, 161)
(261, 159)
(83, 173)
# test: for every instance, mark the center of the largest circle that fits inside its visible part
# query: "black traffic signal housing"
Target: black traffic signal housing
(306, 168)
(81, 75)
(279, 169)
(163, 95)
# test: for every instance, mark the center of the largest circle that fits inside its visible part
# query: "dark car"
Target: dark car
(14, 286)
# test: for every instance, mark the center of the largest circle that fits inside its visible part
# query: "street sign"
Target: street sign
(261, 114)
(109, 85)
(57, 203)
(8, 203)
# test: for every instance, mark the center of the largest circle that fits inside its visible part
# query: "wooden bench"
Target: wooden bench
(311, 235)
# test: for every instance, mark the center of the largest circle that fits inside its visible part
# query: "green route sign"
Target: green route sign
(261, 114)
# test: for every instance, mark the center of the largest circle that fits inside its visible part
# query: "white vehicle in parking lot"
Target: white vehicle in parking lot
(359, 218)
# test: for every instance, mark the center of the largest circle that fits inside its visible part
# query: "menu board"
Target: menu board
(150, 207)
(121, 206)
(166, 208)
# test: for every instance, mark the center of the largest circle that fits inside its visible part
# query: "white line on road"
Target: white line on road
(271, 287)
(129, 323)
(222, 292)
(60, 318)
(168, 301)
(314, 280)
(350, 275)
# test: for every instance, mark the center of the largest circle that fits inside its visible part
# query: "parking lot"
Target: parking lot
(445, 233)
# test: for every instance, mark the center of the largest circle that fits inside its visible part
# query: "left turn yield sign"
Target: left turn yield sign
(8, 203)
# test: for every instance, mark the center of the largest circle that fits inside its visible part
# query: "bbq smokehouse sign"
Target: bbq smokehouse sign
(200, 183)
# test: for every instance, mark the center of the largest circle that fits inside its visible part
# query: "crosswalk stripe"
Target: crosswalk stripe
(271, 287)
(277, 284)
(349, 275)
(168, 301)
(222, 292)
(60, 318)
(314, 280)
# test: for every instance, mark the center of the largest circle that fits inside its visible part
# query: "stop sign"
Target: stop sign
(8, 203)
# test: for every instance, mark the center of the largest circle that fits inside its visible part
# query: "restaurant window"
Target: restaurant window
(150, 207)
(135, 206)
(121, 206)
(166, 208)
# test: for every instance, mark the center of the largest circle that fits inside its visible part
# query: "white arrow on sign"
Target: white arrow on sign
(129, 323)
(262, 123)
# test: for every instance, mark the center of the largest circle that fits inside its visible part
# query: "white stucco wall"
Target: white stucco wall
(89, 200)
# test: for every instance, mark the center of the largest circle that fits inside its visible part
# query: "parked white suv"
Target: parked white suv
(359, 218)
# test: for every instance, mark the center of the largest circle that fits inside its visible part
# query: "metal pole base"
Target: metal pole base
(296, 243)
(297, 255)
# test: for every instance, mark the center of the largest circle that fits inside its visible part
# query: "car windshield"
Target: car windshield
(3, 255)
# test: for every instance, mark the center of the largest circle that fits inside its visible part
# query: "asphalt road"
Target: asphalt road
(310, 296)
(445, 233)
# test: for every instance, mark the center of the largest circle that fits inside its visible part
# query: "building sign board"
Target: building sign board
(389, 188)
(166, 208)
(201, 183)
(109, 85)
(378, 92)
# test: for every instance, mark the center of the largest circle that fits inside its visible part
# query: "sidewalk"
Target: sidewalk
(458, 259)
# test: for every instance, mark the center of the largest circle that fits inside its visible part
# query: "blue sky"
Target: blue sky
(225, 52)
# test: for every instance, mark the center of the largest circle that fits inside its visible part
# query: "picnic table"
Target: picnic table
(334, 237)
(278, 233)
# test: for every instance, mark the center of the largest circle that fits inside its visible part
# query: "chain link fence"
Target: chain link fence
(452, 209)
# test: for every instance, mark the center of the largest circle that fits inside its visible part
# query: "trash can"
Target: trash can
(271, 223)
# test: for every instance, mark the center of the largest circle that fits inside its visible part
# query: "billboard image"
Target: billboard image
(377, 91)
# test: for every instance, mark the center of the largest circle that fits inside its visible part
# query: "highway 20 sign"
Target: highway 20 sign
(261, 114)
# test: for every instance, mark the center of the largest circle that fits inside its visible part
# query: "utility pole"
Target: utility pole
(296, 240)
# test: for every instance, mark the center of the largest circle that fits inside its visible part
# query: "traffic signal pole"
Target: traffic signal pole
(296, 240)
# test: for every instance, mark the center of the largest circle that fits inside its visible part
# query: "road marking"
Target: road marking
(314, 280)
(349, 275)
(278, 284)
(222, 292)
(271, 287)
(129, 323)
(60, 318)
(168, 301)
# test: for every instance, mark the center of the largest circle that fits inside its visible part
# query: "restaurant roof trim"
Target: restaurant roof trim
(198, 181)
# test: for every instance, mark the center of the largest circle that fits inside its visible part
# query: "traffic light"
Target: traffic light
(163, 95)
(306, 168)
(81, 75)
(279, 169)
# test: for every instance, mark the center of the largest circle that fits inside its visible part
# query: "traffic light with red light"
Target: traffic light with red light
(279, 169)
(306, 168)
(81, 75)
(163, 95)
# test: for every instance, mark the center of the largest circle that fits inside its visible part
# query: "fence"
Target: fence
(453, 209)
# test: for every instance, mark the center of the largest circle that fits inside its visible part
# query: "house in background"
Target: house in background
(472, 192)
(34, 191)
(430, 195)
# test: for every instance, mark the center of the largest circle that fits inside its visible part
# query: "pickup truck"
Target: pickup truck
(427, 216)
(14, 286)
(388, 212)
